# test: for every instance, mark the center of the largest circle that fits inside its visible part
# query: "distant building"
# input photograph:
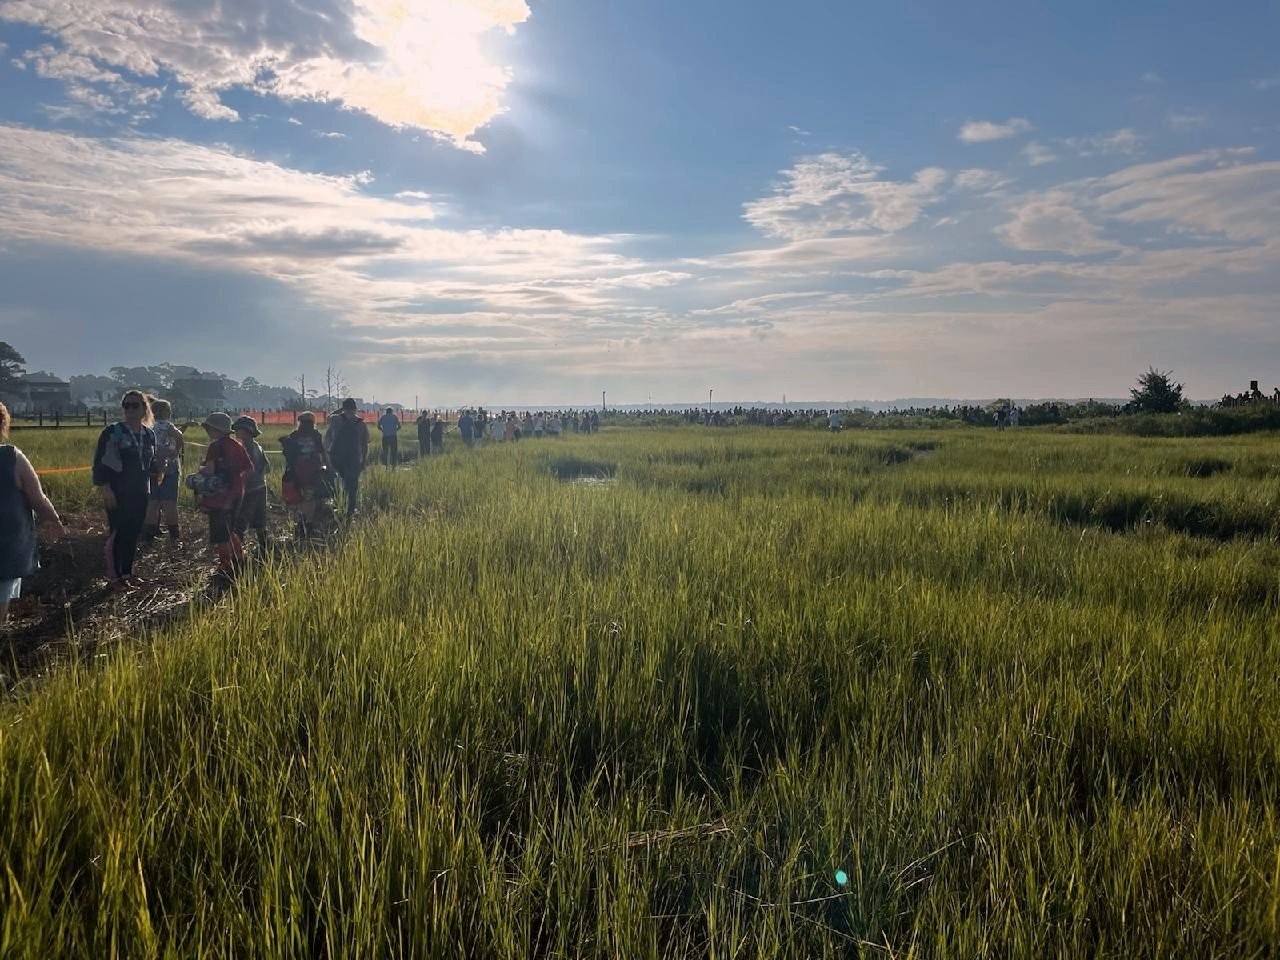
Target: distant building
(41, 393)
(198, 394)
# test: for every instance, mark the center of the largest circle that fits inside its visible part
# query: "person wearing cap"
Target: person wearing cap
(348, 445)
(227, 460)
(253, 510)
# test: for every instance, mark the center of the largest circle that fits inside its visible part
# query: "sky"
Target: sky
(525, 201)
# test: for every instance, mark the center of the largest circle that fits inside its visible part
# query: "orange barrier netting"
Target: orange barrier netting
(49, 470)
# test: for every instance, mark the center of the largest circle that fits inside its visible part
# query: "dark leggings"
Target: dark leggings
(125, 523)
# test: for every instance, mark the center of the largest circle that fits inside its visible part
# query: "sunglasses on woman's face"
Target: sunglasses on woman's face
(131, 405)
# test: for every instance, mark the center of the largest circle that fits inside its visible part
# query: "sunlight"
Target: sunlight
(435, 73)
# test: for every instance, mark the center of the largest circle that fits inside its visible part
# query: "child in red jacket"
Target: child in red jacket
(227, 460)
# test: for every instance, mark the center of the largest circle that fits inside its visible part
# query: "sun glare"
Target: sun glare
(435, 72)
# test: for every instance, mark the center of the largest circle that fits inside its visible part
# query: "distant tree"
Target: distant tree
(12, 366)
(1157, 392)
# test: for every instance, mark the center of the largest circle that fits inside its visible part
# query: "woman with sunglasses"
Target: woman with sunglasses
(124, 469)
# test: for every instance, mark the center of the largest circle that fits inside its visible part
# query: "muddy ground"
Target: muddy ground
(67, 611)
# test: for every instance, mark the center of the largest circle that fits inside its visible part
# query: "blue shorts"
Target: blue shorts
(10, 590)
(168, 488)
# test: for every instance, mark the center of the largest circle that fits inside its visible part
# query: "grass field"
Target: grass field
(741, 693)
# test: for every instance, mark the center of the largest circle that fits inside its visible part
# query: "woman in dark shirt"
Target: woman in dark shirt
(21, 500)
(123, 465)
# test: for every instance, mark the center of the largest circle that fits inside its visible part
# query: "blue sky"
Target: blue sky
(500, 201)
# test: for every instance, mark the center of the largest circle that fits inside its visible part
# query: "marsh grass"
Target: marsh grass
(512, 717)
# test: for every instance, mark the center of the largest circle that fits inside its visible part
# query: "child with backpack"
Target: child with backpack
(226, 467)
(306, 485)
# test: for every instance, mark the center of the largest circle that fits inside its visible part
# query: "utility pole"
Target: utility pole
(710, 390)
(603, 407)
(302, 386)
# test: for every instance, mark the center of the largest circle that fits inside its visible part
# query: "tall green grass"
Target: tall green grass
(669, 714)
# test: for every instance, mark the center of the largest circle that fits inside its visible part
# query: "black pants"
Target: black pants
(350, 476)
(390, 451)
(125, 523)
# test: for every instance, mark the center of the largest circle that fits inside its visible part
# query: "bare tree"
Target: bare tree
(335, 386)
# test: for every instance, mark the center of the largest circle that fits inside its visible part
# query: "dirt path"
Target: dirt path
(67, 611)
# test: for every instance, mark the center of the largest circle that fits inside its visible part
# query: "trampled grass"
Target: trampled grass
(760, 694)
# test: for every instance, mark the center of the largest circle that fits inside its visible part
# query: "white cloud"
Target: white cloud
(416, 64)
(1037, 154)
(833, 193)
(1053, 223)
(294, 121)
(1123, 142)
(206, 105)
(330, 135)
(1153, 79)
(1265, 83)
(371, 258)
(984, 131)
(1216, 194)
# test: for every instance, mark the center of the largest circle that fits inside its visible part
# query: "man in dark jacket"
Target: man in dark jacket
(348, 451)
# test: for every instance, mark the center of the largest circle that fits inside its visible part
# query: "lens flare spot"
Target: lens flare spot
(842, 878)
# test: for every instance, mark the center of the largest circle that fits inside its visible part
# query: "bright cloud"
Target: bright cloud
(984, 131)
(834, 193)
(373, 258)
(407, 63)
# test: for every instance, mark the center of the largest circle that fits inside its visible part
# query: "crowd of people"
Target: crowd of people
(138, 464)
(1250, 397)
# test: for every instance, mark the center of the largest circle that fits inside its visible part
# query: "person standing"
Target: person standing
(226, 460)
(306, 485)
(21, 501)
(124, 469)
(253, 511)
(499, 429)
(423, 424)
(465, 426)
(437, 435)
(389, 425)
(348, 451)
(164, 498)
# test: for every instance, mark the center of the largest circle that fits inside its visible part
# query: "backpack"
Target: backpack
(165, 458)
(346, 443)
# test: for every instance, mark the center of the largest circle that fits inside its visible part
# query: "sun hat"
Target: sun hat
(218, 421)
(349, 403)
(247, 423)
(306, 415)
